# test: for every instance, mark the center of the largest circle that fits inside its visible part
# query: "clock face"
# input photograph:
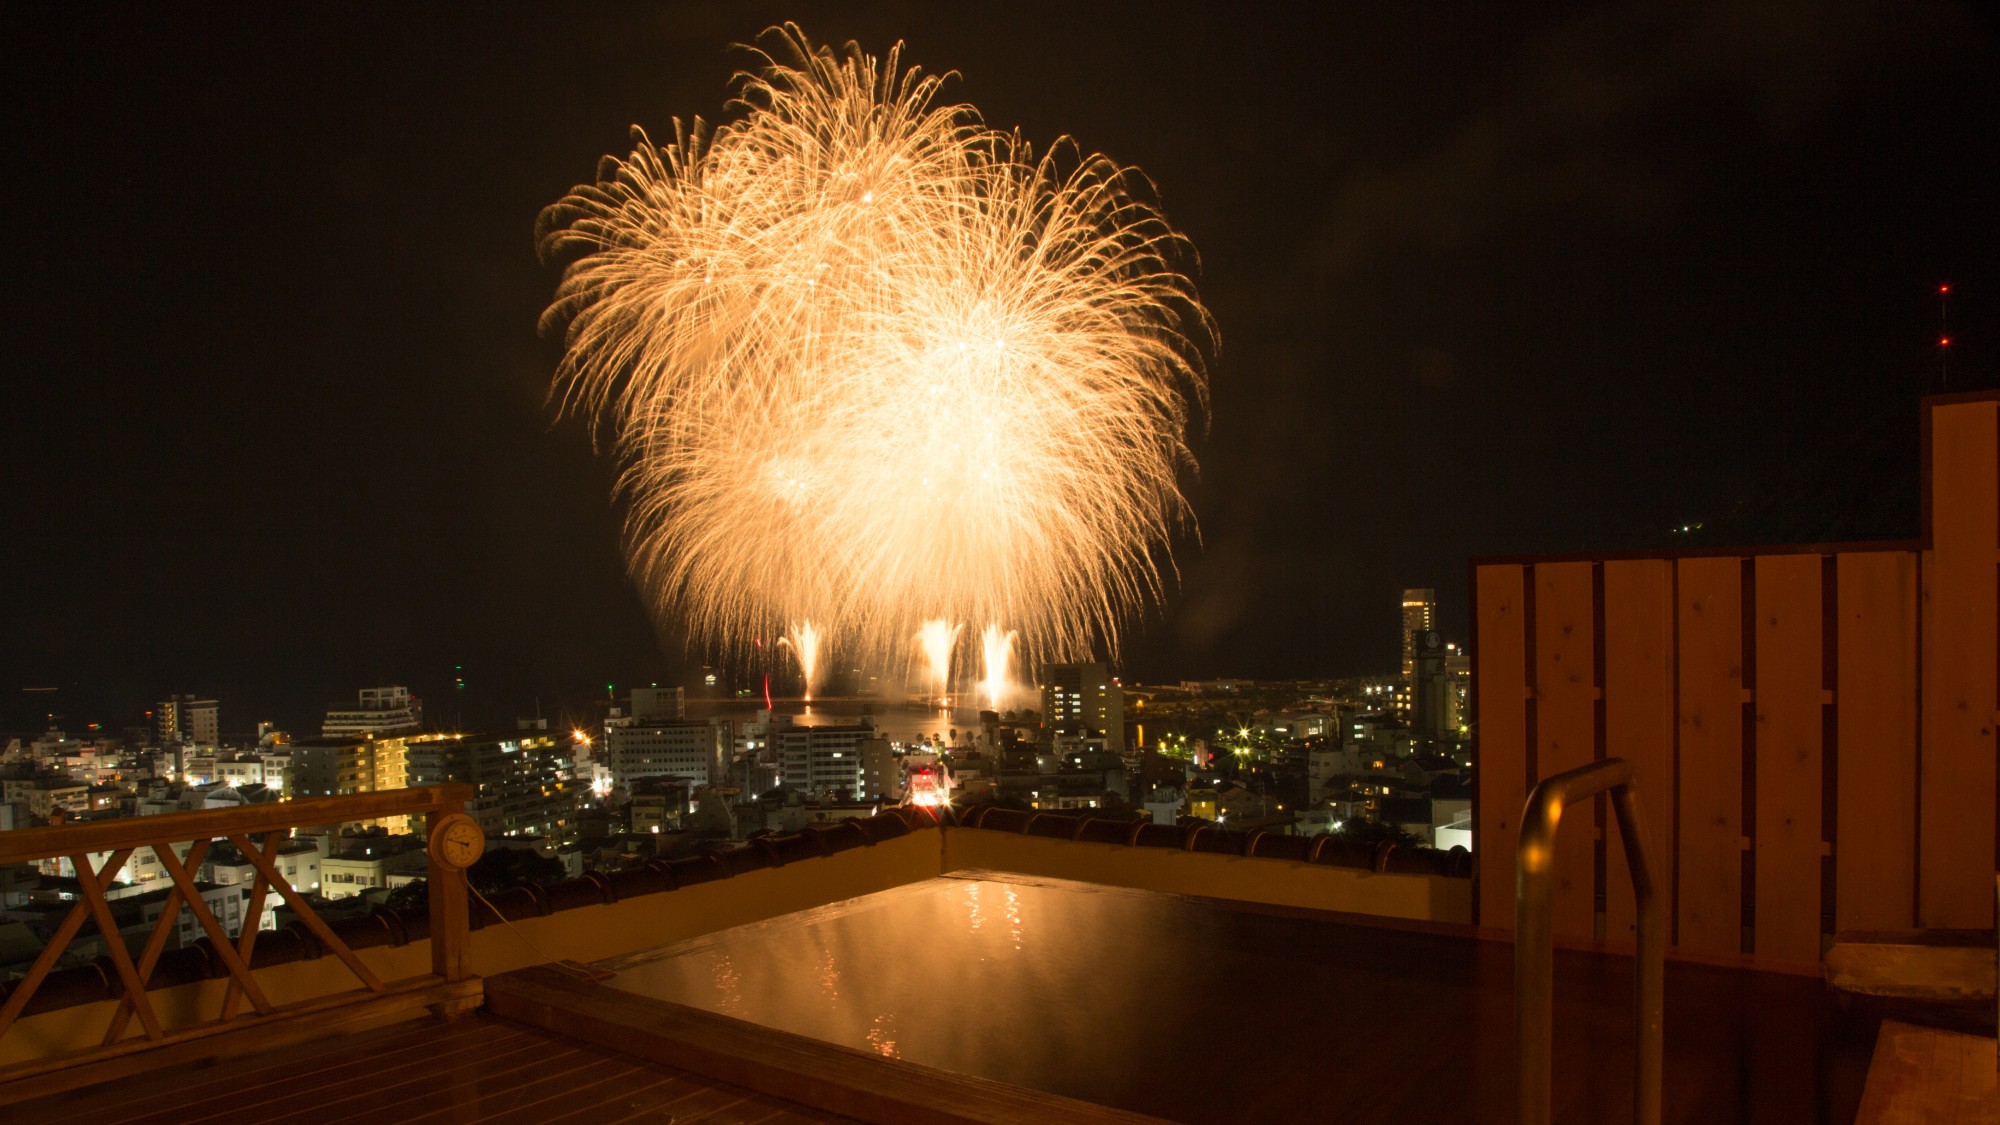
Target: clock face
(460, 841)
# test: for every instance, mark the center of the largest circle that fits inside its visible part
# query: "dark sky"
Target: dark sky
(1489, 278)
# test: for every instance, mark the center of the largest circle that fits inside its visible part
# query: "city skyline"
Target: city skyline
(1486, 283)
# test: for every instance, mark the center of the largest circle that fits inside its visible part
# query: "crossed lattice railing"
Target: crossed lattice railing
(258, 832)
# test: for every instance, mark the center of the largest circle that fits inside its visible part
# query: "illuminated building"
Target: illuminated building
(881, 776)
(1419, 617)
(1201, 803)
(188, 720)
(1458, 699)
(827, 760)
(689, 749)
(370, 861)
(338, 766)
(1431, 694)
(277, 766)
(43, 796)
(297, 860)
(522, 778)
(382, 710)
(1082, 701)
(658, 805)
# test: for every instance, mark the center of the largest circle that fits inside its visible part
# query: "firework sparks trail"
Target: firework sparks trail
(997, 648)
(868, 360)
(803, 638)
(935, 641)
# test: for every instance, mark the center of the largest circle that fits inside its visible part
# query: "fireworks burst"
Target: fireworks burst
(803, 638)
(935, 641)
(867, 360)
(996, 648)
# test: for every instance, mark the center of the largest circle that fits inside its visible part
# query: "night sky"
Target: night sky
(1489, 280)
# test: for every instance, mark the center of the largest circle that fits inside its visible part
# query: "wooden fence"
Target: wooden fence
(257, 831)
(1812, 728)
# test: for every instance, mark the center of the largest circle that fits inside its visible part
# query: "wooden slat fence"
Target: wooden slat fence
(1812, 727)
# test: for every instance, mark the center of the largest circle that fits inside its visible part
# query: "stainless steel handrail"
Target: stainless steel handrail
(1534, 939)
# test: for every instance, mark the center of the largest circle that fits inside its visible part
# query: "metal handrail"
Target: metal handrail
(1534, 939)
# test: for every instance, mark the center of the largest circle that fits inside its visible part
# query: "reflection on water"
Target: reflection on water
(882, 1036)
(829, 975)
(1202, 1012)
(897, 722)
(1065, 974)
(727, 995)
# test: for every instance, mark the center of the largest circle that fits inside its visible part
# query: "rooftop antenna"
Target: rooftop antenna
(1944, 335)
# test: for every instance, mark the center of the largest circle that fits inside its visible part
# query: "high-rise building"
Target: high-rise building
(187, 720)
(330, 767)
(382, 710)
(336, 766)
(689, 749)
(827, 761)
(1431, 707)
(1458, 678)
(522, 779)
(1419, 617)
(1083, 701)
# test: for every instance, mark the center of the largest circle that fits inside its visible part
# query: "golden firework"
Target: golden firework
(870, 362)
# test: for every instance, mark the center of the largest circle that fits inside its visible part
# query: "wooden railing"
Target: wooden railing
(1814, 725)
(257, 832)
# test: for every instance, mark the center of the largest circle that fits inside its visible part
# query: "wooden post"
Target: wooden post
(1960, 618)
(450, 924)
(1500, 604)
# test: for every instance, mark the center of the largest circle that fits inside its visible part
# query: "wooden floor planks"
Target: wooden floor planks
(477, 1069)
(1923, 1074)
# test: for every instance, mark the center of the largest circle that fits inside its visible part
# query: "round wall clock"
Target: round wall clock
(458, 841)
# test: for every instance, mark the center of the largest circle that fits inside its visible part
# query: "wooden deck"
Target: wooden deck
(1926, 1074)
(476, 1069)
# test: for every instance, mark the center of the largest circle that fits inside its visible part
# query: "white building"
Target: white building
(297, 860)
(360, 864)
(1300, 724)
(239, 771)
(141, 867)
(225, 903)
(382, 710)
(826, 760)
(41, 797)
(276, 765)
(688, 749)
